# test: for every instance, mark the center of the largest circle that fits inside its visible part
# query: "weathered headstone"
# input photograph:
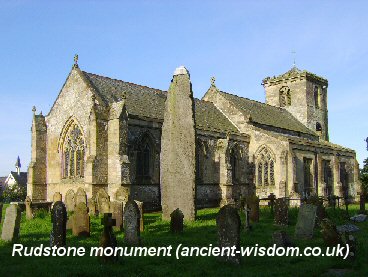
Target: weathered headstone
(70, 200)
(131, 223)
(80, 197)
(228, 231)
(117, 208)
(281, 211)
(81, 221)
(272, 198)
(122, 194)
(306, 220)
(281, 239)
(58, 219)
(362, 196)
(178, 155)
(11, 224)
(253, 203)
(141, 222)
(1, 212)
(329, 233)
(321, 211)
(28, 203)
(177, 221)
(108, 238)
(92, 210)
(57, 197)
(103, 202)
(247, 225)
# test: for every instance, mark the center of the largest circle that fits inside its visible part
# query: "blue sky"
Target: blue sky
(238, 42)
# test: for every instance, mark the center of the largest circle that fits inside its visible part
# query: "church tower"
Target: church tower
(303, 94)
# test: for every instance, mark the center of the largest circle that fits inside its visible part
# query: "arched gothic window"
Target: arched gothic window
(265, 166)
(144, 160)
(73, 151)
(284, 96)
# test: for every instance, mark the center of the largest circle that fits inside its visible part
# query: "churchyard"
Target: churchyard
(200, 233)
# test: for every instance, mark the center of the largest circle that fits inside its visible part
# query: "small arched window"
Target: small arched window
(318, 127)
(316, 96)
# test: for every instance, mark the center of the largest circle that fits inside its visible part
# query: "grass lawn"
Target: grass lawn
(200, 233)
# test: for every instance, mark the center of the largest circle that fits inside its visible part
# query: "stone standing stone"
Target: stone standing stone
(81, 221)
(141, 221)
(329, 233)
(281, 211)
(29, 213)
(131, 223)
(11, 224)
(228, 231)
(108, 238)
(177, 221)
(92, 207)
(117, 208)
(57, 197)
(80, 197)
(178, 144)
(253, 203)
(58, 219)
(1, 212)
(306, 220)
(70, 201)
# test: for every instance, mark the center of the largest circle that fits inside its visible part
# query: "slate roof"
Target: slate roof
(264, 114)
(145, 102)
(21, 179)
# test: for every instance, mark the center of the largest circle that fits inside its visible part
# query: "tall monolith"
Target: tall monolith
(177, 163)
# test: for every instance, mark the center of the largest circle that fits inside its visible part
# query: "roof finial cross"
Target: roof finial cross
(213, 79)
(294, 54)
(76, 60)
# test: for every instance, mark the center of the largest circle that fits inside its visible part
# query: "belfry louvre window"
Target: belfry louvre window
(73, 151)
(265, 166)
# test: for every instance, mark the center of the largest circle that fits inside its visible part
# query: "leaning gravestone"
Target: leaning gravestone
(117, 208)
(80, 197)
(1, 211)
(228, 231)
(306, 220)
(70, 201)
(92, 207)
(131, 223)
(58, 219)
(57, 197)
(81, 221)
(108, 238)
(176, 223)
(141, 223)
(11, 224)
(329, 233)
(253, 204)
(281, 211)
(29, 213)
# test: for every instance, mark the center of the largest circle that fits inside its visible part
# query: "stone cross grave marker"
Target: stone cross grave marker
(81, 221)
(70, 201)
(29, 213)
(58, 219)
(117, 208)
(306, 220)
(131, 223)
(80, 197)
(11, 224)
(108, 238)
(281, 212)
(228, 231)
(177, 221)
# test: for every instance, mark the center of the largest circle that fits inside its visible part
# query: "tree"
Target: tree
(364, 175)
(14, 193)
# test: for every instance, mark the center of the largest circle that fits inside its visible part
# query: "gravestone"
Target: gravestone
(103, 202)
(177, 223)
(306, 220)
(70, 201)
(1, 212)
(362, 202)
(253, 203)
(58, 219)
(329, 233)
(141, 222)
(92, 207)
(11, 224)
(321, 211)
(108, 238)
(131, 223)
(57, 197)
(272, 198)
(247, 226)
(29, 213)
(80, 197)
(81, 221)
(178, 143)
(281, 211)
(281, 239)
(117, 208)
(228, 231)
(122, 194)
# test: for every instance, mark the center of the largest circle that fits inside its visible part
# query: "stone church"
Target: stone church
(103, 133)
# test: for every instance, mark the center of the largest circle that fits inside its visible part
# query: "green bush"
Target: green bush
(14, 193)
